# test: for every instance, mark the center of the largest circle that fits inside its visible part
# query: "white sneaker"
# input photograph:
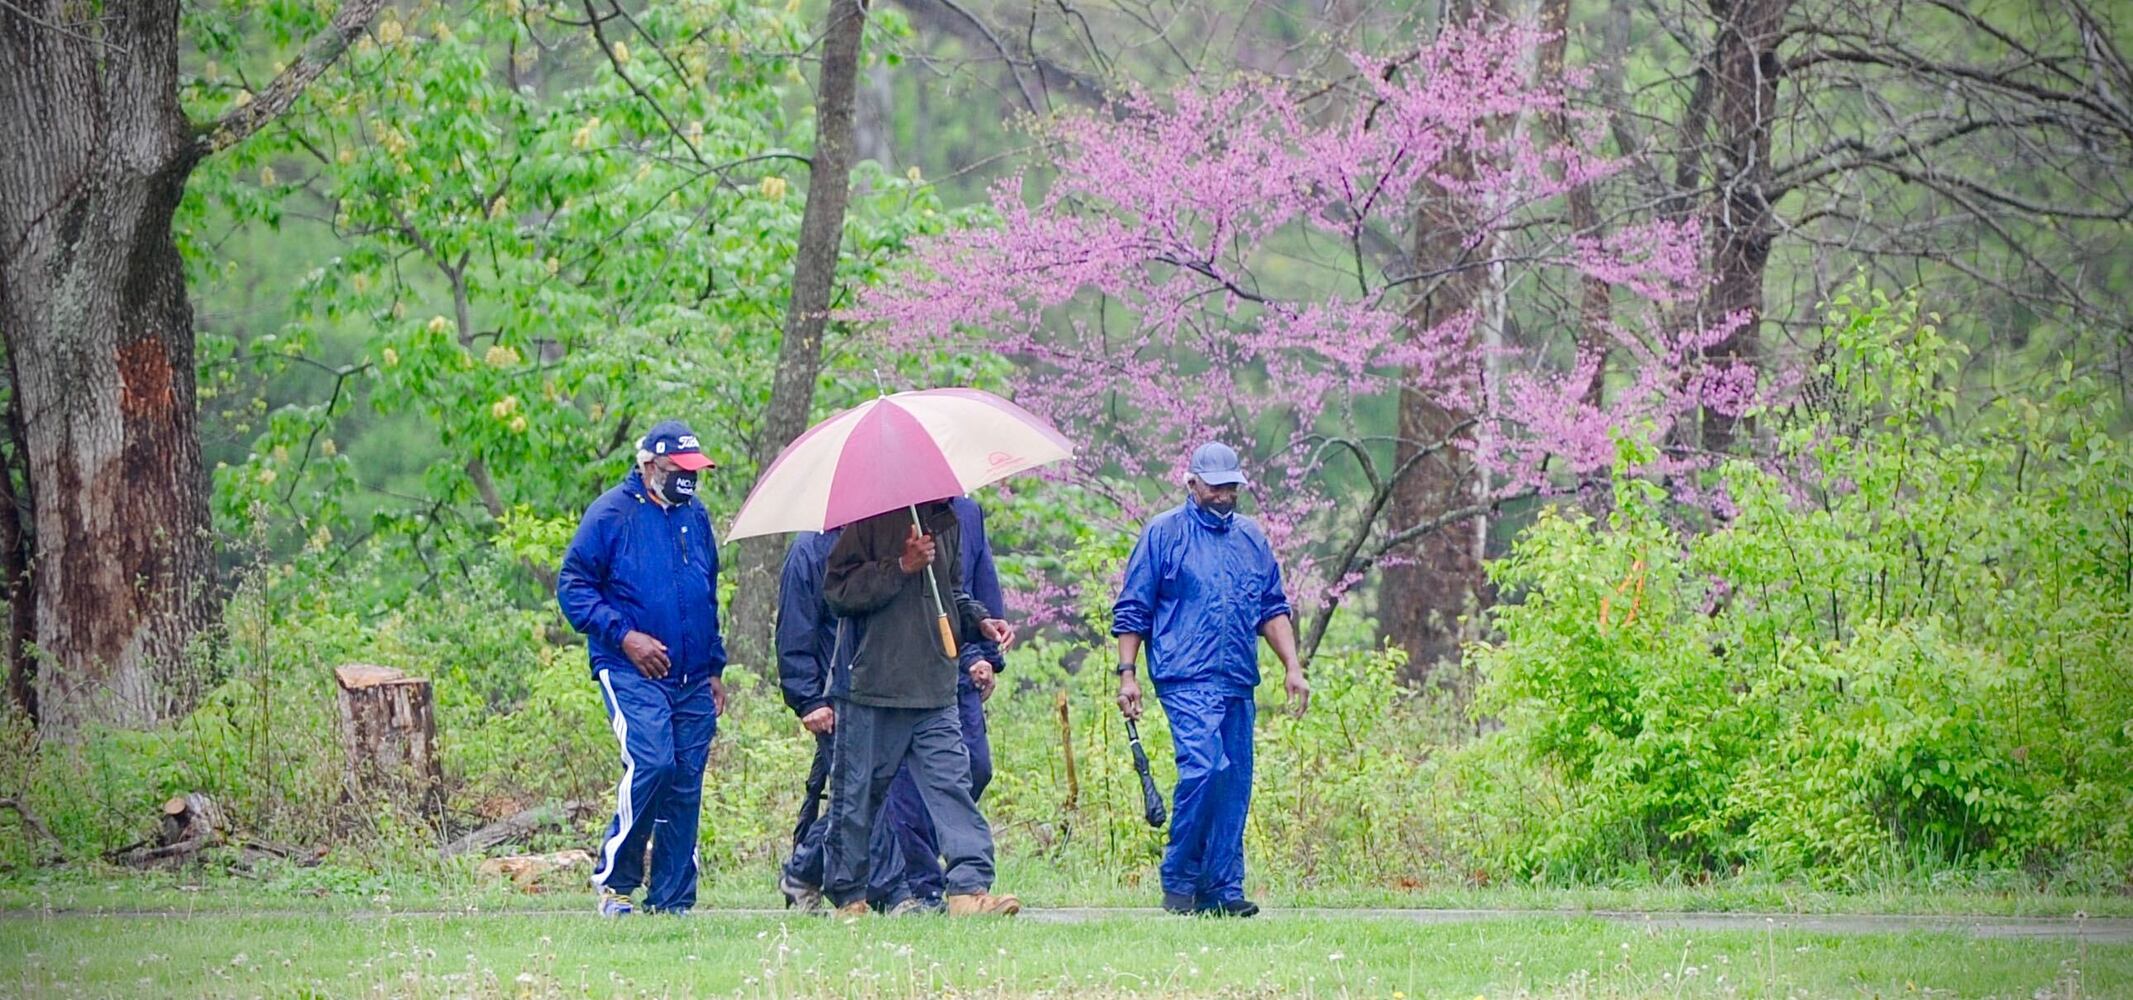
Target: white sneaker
(615, 904)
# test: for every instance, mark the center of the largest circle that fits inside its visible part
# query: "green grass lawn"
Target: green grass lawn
(525, 955)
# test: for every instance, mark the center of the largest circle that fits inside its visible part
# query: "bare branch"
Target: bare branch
(322, 51)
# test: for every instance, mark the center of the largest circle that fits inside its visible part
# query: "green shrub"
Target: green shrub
(1910, 652)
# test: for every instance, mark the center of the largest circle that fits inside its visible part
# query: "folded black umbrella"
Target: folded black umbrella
(1151, 799)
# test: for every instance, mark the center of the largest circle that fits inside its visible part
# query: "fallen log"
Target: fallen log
(188, 824)
(525, 870)
(515, 826)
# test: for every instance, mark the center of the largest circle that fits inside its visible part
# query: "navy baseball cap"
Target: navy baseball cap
(1215, 464)
(675, 440)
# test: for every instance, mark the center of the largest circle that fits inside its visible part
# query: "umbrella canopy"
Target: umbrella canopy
(893, 452)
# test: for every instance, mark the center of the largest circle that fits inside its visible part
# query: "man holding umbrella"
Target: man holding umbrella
(881, 470)
(640, 580)
(895, 578)
(908, 874)
(904, 851)
(1201, 588)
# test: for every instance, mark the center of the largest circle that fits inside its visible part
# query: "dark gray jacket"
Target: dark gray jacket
(897, 659)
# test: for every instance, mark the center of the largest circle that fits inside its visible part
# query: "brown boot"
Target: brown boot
(855, 908)
(983, 904)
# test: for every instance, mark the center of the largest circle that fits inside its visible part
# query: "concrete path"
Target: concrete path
(2111, 930)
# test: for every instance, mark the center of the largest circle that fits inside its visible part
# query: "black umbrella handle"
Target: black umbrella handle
(1152, 808)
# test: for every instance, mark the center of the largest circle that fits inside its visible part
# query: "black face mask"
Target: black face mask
(678, 487)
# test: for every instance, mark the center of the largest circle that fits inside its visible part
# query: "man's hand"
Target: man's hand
(820, 722)
(718, 696)
(1129, 696)
(998, 630)
(1299, 690)
(647, 654)
(918, 552)
(981, 677)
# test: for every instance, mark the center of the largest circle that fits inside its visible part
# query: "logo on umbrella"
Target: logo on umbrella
(1000, 458)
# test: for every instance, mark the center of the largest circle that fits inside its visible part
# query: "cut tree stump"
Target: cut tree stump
(390, 735)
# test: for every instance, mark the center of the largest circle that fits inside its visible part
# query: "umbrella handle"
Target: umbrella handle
(940, 604)
(947, 637)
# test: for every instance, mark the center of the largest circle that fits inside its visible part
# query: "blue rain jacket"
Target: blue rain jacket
(635, 565)
(807, 629)
(1198, 589)
(980, 579)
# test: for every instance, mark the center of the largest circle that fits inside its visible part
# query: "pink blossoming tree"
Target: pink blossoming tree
(1226, 264)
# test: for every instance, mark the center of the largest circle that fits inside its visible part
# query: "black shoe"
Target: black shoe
(1180, 905)
(1230, 908)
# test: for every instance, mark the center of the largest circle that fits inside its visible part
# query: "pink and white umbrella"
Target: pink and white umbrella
(893, 452)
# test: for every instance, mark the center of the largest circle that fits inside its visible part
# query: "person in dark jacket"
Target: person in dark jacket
(903, 849)
(895, 701)
(907, 874)
(809, 638)
(807, 635)
(640, 580)
(1202, 587)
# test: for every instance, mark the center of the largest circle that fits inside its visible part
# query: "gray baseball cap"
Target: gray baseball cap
(1216, 464)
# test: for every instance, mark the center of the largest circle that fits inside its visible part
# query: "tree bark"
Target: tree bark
(1595, 297)
(1738, 222)
(1427, 586)
(100, 349)
(792, 391)
(99, 338)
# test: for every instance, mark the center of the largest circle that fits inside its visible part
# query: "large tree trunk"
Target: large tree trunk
(1428, 588)
(792, 390)
(100, 353)
(1738, 223)
(99, 342)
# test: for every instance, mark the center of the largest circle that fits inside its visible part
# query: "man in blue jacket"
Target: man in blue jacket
(1202, 587)
(641, 582)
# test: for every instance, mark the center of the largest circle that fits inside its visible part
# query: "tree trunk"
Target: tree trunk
(390, 735)
(112, 521)
(100, 351)
(1738, 224)
(1429, 586)
(792, 391)
(1595, 297)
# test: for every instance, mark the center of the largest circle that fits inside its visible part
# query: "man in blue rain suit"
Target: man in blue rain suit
(808, 638)
(641, 581)
(1202, 587)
